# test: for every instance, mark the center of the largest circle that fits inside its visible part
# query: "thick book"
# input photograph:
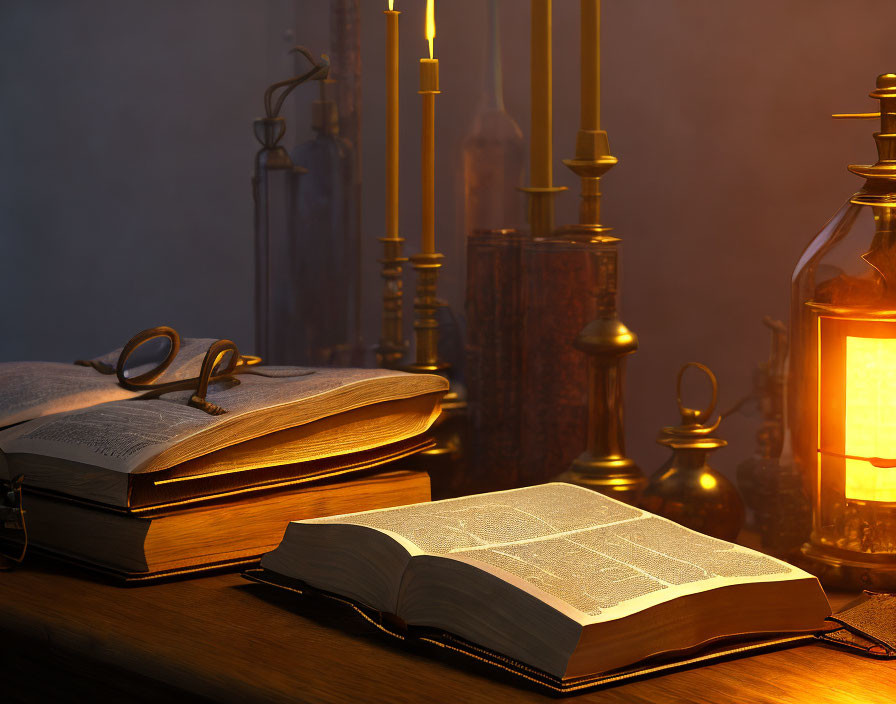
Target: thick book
(218, 532)
(556, 579)
(280, 425)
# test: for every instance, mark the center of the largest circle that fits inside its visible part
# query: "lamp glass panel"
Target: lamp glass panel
(870, 418)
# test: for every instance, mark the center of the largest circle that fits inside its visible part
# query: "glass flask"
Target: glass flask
(274, 184)
(326, 260)
(493, 160)
(842, 374)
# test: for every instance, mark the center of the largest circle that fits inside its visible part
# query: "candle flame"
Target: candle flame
(391, 5)
(430, 24)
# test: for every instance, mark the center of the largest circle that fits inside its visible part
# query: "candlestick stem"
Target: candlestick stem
(392, 111)
(590, 62)
(541, 190)
(429, 88)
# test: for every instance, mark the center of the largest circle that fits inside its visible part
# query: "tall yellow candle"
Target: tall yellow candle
(540, 147)
(590, 60)
(429, 87)
(392, 139)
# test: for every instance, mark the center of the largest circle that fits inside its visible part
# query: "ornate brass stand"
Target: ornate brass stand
(603, 466)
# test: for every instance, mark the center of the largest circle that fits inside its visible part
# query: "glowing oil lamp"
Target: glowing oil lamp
(842, 377)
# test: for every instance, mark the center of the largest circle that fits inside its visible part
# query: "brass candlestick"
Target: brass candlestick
(603, 466)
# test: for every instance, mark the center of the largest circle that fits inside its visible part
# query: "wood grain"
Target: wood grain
(224, 639)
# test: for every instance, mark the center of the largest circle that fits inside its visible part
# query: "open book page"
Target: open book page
(185, 365)
(593, 557)
(34, 389)
(125, 435)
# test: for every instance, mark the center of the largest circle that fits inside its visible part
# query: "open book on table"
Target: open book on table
(554, 577)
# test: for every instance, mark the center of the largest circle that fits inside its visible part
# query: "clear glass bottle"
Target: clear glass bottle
(274, 184)
(275, 187)
(842, 374)
(326, 259)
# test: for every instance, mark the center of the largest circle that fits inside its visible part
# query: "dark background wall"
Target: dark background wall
(126, 150)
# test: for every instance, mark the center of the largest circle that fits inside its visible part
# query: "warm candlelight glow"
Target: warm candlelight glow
(870, 417)
(391, 5)
(430, 24)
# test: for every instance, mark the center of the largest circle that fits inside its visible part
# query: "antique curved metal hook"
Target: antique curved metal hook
(692, 415)
(319, 71)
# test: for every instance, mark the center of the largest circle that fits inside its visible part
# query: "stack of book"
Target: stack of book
(148, 487)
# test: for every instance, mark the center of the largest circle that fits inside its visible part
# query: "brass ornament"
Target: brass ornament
(686, 489)
(606, 340)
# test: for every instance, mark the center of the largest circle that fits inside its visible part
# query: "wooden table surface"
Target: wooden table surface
(225, 639)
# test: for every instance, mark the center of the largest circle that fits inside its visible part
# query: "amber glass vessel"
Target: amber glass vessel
(842, 374)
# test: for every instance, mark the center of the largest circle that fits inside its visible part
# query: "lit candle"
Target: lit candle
(541, 175)
(391, 121)
(429, 86)
(590, 60)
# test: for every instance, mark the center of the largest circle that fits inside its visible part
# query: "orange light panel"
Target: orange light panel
(870, 417)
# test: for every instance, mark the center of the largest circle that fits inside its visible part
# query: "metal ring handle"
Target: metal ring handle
(702, 416)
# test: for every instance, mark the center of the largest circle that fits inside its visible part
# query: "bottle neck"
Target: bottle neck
(493, 80)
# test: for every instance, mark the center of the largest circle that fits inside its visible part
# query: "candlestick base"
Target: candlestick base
(607, 342)
(446, 462)
(392, 347)
(426, 305)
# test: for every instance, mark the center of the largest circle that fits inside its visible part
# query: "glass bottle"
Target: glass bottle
(274, 184)
(492, 165)
(842, 373)
(326, 260)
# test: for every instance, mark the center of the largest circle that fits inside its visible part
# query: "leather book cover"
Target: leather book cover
(839, 634)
